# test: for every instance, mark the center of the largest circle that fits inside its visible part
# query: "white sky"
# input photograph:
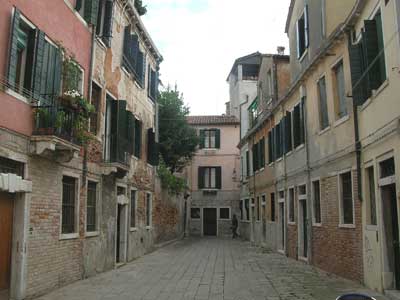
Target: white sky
(200, 39)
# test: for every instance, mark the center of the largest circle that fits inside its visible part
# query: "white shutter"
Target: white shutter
(306, 38)
(298, 39)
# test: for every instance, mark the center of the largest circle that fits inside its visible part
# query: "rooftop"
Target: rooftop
(213, 120)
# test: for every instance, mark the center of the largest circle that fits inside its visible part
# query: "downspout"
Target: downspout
(85, 146)
(285, 183)
(308, 170)
(358, 150)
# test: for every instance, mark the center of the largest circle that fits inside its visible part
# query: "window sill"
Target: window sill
(210, 190)
(149, 227)
(289, 153)
(317, 224)
(279, 159)
(281, 251)
(292, 223)
(341, 120)
(324, 130)
(224, 219)
(298, 148)
(375, 94)
(302, 258)
(245, 221)
(133, 229)
(371, 227)
(303, 55)
(69, 236)
(92, 234)
(126, 72)
(195, 219)
(101, 43)
(17, 96)
(349, 226)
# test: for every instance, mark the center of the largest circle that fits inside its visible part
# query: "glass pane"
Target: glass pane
(347, 198)
(224, 213)
(213, 178)
(195, 213)
(317, 203)
(341, 93)
(372, 200)
(323, 108)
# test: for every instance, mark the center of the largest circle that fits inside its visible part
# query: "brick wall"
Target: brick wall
(338, 250)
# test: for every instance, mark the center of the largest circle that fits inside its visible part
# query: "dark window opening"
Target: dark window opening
(273, 207)
(316, 202)
(224, 213)
(346, 198)
(91, 204)
(195, 213)
(133, 208)
(94, 116)
(372, 220)
(387, 168)
(68, 204)
(11, 166)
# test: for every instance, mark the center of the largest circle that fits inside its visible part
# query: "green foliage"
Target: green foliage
(141, 9)
(178, 141)
(169, 181)
(71, 75)
(60, 119)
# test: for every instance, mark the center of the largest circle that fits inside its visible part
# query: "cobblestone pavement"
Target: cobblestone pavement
(211, 269)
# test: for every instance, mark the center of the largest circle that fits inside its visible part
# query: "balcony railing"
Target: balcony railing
(56, 121)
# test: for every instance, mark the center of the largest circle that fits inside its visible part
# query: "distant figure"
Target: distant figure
(234, 227)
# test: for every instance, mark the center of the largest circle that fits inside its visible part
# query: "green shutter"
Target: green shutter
(218, 175)
(78, 5)
(270, 159)
(12, 60)
(302, 122)
(202, 137)
(247, 164)
(39, 66)
(200, 178)
(359, 92)
(131, 133)
(381, 46)
(151, 147)
(139, 68)
(143, 66)
(138, 138)
(57, 72)
(114, 130)
(91, 11)
(108, 22)
(263, 152)
(217, 138)
(371, 51)
(288, 132)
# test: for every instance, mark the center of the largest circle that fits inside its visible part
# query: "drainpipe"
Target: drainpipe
(285, 184)
(308, 170)
(358, 150)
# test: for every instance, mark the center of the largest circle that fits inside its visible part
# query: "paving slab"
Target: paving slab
(211, 268)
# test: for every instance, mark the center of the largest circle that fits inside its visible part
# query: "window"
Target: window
(339, 91)
(96, 100)
(72, 77)
(241, 209)
(253, 209)
(210, 138)
(104, 21)
(152, 148)
(225, 213)
(270, 147)
(247, 164)
(316, 194)
(298, 125)
(371, 208)
(138, 139)
(133, 208)
(133, 59)
(152, 83)
(91, 207)
(291, 205)
(367, 60)
(346, 198)
(323, 18)
(195, 213)
(261, 146)
(288, 132)
(302, 33)
(88, 9)
(11, 166)
(387, 168)
(35, 63)
(323, 105)
(263, 204)
(209, 178)
(279, 139)
(69, 199)
(273, 207)
(247, 208)
(148, 209)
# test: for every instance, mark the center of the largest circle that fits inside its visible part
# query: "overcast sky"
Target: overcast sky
(200, 39)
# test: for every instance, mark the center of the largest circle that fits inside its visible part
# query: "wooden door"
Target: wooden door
(210, 221)
(6, 221)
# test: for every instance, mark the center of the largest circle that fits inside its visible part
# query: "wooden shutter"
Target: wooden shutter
(217, 138)
(288, 132)
(122, 131)
(371, 51)
(39, 67)
(357, 70)
(298, 39)
(200, 178)
(262, 152)
(306, 29)
(302, 122)
(296, 126)
(202, 137)
(140, 71)
(114, 130)
(134, 49)
(13, 49)
(131, 133)
(247, 164)
(218, 178)
(108, 18)
(138, 138)
(143, 66)
(270, 143)
(78, 5)
(91, 11)
(254, 152)
(381, 46)
(273, 144)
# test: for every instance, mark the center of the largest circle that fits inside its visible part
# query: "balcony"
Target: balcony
(117, 156)
(54, 135)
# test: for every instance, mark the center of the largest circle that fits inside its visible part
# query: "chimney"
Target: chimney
(281, 50)
(228, 108)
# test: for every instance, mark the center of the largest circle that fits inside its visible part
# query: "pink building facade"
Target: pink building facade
(214, 176)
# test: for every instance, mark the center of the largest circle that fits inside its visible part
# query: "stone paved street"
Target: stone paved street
(210, 269)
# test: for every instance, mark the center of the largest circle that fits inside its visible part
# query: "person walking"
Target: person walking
(234, 227)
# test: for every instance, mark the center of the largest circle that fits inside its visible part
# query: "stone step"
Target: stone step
(393, 294)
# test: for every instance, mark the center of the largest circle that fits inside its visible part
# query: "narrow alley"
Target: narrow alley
(211, 269)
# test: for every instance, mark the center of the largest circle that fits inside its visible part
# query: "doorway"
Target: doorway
(282, 225)
(303, 229)
(210, 221)
(391, 231)
(6, 229)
